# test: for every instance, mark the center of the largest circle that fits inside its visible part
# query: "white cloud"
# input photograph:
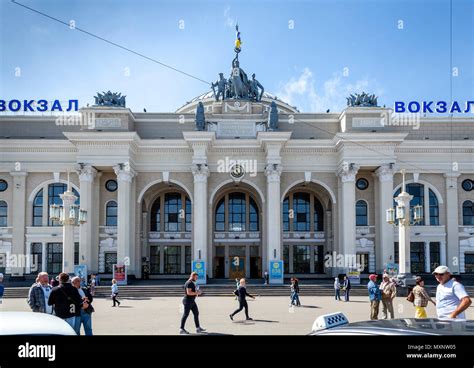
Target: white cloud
(304, 93)
(229, 21)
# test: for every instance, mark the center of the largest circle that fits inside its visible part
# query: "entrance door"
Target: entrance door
(255, 263)
(236, 262)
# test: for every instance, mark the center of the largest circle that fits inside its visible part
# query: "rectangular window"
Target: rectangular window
(38, 209)
(417, 257)
(76, 253)
(434, 255)
(154, 259)
(172, 259)
(286, 215)
(319, 258)
(110, 259)
(286, 258)
(469, 262)
(37, 257)
(55, 258)
(187, 255)
(301, 258)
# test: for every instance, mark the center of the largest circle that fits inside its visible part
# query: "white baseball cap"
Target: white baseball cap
(441, 270)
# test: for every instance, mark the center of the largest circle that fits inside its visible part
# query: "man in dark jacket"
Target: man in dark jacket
(66, 300)
(242, 293)
(39, 294)
(347, 287)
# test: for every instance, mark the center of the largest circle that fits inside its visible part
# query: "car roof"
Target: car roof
(30, 323)
(403, 326)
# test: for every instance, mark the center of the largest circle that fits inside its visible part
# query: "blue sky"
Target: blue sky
(304, 65)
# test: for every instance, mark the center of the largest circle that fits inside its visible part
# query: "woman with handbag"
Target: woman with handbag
(420, 298)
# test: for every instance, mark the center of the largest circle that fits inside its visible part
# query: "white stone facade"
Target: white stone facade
(162, 165)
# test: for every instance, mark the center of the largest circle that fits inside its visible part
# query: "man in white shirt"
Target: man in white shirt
(39, 294)
(451, 297)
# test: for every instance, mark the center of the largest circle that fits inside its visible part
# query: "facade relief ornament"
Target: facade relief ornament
(347, 172)
(124, 173)
(273, 172)
(86, 172)
(200, 172)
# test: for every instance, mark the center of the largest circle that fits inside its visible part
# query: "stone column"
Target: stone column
(403, 200)
(44, 256)
(384, 234)
(68, 199)
(427, 257)
(200, 173)
(347, 174)
(273, 173)
(87, 174)
(452, 222)
(125, 176)
(18, 213)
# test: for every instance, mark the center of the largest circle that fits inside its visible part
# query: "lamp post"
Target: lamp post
(402, 214)
(69, 215)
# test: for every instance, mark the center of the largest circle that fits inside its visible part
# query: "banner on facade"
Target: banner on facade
(120, 274)
(276, 272)
(200, 268)
(354, 277)
(81, 272)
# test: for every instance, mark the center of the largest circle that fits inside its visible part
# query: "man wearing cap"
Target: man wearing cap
(389, 292)
(451, 297)
(374, 296)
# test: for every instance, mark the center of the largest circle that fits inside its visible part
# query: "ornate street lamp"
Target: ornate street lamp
(68, 215)
(402, 217)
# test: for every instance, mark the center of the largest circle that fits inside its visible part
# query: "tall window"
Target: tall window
(237, 211)
(220, 215)
(111, 214)
(177, 213)
(417, 257)
(361, 213)
(302, 211)
(3, 214)
(468, 213)
(434, 255)
(172, 260)
(55, 258)
(301, 205)
(434, 209)
(301, 258)
(155, 215)
(38, 209)
(418, 192)
(54, 192)
(37, 255)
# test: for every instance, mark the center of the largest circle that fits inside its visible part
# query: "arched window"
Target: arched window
(38, 209)
(220, 215)
(302, 211)
(176, 209)
(318, 216)
(468, 213)
(54, 197)
(361, 213)
(418, 192)
(434, 209)
(111, 214)
(237, 211)
(3, 214)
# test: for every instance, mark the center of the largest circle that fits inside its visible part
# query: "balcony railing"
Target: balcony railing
(162, 236)
(305, 235)
(224, 235)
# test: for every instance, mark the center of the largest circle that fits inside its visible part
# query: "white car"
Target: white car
(30, 323)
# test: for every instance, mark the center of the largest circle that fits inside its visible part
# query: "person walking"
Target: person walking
(295, 290)
(337, 288)
(346, 286)
(93, 284)
(266, 277)
(189, 302)
(242, 291)
(374, 296)
(421, 298)
(389, 292)
(452, 299)
(66, 300)
(115, 291)
(38, 294)
(85, 317)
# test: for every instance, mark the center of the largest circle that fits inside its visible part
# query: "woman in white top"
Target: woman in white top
(115, 292)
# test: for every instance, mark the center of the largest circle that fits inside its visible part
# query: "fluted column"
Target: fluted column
(125, 176)
(200, 173)
(384, 201)
(273, 173)
(452, 223)
(87, 174)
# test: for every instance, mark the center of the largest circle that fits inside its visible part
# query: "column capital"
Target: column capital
(347, 172)
(86, 172)
(385, 172)
(200, 172)
(273, 172)
(124, 173)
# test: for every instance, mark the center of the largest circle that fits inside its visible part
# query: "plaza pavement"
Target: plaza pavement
(161, 315)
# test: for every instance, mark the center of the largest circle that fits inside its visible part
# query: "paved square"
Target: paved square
(161, 315)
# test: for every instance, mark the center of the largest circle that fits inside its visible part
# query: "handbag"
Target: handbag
(411, 297)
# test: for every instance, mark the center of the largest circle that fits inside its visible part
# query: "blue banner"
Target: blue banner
(276, 272)
(200, 268)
